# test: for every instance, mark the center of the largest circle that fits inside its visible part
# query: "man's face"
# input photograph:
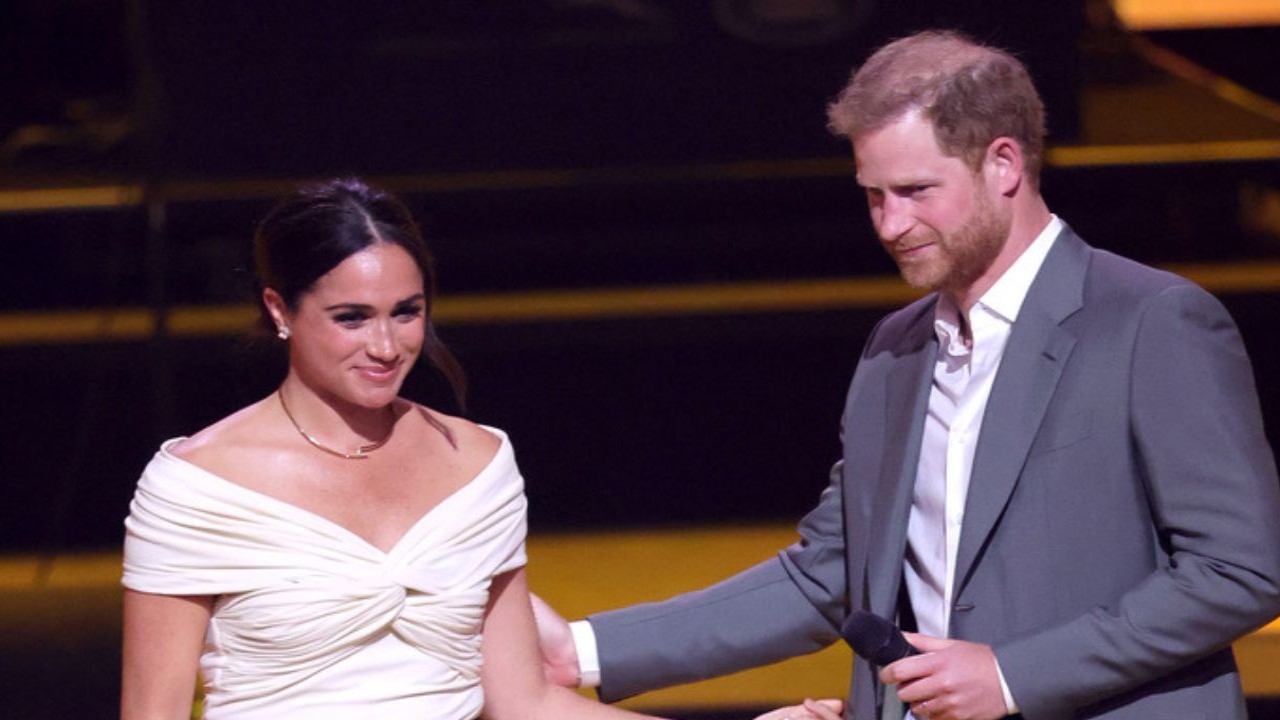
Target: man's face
(935, 216)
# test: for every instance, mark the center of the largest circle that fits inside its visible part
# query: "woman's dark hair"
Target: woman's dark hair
(313, 229)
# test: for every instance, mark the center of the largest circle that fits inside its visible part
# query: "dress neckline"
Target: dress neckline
(500, 458)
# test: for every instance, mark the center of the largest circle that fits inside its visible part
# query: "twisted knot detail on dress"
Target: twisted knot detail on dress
(309, 615)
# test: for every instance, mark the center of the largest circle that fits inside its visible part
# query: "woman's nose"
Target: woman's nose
(382, 341)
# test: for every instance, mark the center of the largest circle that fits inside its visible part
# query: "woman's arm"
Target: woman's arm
(512, 676)
(163, 637)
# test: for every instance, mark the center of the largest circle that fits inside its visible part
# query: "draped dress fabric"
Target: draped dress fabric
(310, 620)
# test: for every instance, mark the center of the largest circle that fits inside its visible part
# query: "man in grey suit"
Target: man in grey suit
(1054, 466)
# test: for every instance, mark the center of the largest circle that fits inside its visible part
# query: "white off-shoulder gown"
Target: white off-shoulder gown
(311, 621)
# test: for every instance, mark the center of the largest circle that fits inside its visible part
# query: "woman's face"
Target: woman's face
(358, 331)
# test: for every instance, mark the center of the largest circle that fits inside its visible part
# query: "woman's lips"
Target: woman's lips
(380, 373)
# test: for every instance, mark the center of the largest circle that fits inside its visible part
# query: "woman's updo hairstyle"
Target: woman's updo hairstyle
(313, 229)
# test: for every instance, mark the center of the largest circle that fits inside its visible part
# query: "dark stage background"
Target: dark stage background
(551, 145)
(564, 145)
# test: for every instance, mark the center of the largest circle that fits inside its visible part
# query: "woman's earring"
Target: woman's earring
(283, 332)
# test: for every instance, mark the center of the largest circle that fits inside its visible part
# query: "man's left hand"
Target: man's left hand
(949, 680)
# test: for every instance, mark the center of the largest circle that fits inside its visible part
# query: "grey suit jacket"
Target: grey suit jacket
(1122, 526)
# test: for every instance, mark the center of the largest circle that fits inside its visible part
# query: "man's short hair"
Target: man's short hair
(971, 93)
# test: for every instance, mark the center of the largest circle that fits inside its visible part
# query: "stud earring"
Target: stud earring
(283, 332)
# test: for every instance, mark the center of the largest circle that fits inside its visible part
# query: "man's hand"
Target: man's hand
(949, 680)
(559, 655)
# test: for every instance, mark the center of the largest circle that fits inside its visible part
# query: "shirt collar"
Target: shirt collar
(1006, 296)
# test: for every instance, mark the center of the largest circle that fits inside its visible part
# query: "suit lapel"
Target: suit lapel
(906, 401)
(1029, 371)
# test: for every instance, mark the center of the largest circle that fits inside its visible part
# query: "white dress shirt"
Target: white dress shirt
(962, 379)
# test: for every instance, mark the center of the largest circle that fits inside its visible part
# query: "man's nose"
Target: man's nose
(895, 218)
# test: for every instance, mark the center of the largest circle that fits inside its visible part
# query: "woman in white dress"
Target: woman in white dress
(333, 550)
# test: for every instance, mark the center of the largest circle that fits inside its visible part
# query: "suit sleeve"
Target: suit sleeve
(787, 606)
(1210, 478)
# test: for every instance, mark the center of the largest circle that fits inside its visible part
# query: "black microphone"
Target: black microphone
(875, 639)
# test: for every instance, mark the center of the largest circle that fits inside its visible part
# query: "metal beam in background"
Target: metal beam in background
(138, 324)
(1187, 14)
(123, 195)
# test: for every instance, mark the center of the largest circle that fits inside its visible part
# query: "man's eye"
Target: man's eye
(908, 191)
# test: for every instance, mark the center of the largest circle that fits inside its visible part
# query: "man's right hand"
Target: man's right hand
(559, 654)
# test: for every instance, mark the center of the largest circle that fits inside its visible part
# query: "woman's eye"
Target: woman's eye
(348, 319)
(408, 312)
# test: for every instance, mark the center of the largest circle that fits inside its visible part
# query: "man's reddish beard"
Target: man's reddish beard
(963, 255)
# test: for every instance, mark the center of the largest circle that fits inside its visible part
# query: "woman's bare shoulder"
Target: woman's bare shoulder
(240, 438)
(471, 442)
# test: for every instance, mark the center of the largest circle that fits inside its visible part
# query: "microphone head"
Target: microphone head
(875, 639)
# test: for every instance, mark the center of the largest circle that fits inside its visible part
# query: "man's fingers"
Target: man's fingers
(926, 643)
(905, 670)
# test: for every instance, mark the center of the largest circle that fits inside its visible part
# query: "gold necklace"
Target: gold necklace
(361, 453)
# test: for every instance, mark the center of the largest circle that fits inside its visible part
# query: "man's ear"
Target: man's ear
(1003, 164)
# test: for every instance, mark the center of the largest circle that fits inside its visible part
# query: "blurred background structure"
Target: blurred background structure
(655, 264)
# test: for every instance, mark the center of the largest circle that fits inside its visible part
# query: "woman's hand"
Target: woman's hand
(810, 710)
